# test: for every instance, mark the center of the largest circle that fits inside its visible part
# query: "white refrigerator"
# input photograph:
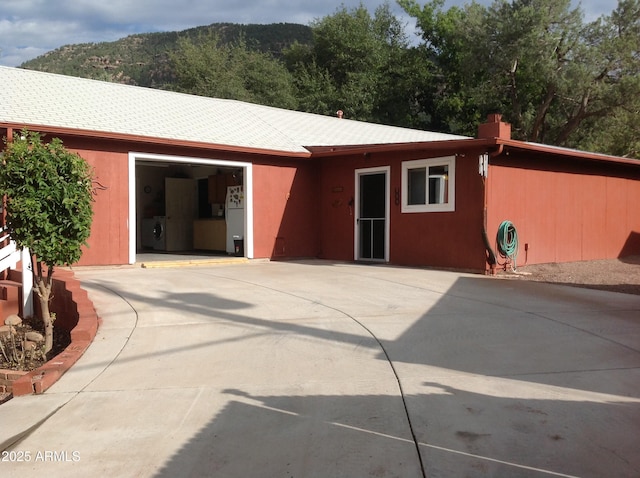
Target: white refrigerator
(234, 215)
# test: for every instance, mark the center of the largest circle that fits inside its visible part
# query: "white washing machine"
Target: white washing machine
(159, 233)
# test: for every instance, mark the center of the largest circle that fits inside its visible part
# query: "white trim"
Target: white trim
(248, 193)
(27, 283)
(450, 205)
(132, 220)
(356, 242)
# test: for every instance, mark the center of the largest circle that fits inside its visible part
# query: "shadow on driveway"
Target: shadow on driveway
(499, 378)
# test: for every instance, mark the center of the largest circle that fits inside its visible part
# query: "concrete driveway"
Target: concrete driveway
(317, 369)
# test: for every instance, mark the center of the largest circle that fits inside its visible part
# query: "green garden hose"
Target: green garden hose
(507, 240)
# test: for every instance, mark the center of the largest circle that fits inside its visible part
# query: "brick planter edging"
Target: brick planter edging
(7, 377)
(76, 313)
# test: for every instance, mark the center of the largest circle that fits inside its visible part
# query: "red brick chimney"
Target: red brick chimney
(494, 128)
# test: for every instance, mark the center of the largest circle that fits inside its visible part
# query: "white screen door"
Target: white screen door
(372, 222)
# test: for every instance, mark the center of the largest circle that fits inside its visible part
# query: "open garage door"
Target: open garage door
(175, 200)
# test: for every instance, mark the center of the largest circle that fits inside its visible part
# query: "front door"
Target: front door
(372, 223)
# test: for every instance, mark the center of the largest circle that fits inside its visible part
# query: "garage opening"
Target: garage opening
(189, 207)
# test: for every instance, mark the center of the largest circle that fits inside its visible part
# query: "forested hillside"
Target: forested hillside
(144, 59)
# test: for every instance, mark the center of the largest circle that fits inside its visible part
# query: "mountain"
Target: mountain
(143, 59)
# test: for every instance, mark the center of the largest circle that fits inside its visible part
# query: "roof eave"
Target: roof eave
(114, 136)
(566, 152)
(461, 145)
(439, 145)
(445, 146)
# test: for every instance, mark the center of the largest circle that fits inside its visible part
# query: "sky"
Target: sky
(30, 28)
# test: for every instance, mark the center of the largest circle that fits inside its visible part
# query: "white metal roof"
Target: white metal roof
(44, 99)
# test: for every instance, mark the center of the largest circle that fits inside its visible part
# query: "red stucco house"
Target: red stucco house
(318, 186)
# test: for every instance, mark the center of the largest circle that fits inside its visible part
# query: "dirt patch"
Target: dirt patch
(615, 275)
(28, 360)
(34, 360)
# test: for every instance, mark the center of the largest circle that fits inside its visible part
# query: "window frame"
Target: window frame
(450, 162)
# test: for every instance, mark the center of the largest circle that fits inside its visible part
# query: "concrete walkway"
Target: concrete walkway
(316, 369)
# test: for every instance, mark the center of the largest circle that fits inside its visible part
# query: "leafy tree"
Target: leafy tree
(48, 198)
(552, 76)
(447, 98)
(358, 63)
(613, 125)
(208, 67)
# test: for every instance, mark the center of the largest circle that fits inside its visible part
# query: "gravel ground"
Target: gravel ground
(616, 275)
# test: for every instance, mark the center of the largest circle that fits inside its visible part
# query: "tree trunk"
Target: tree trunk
(543, 109)
(47, 321)
(43, 290)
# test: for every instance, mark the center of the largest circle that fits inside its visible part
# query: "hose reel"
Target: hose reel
(507, 241)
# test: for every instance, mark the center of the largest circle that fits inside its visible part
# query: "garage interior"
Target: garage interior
(184, 208)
